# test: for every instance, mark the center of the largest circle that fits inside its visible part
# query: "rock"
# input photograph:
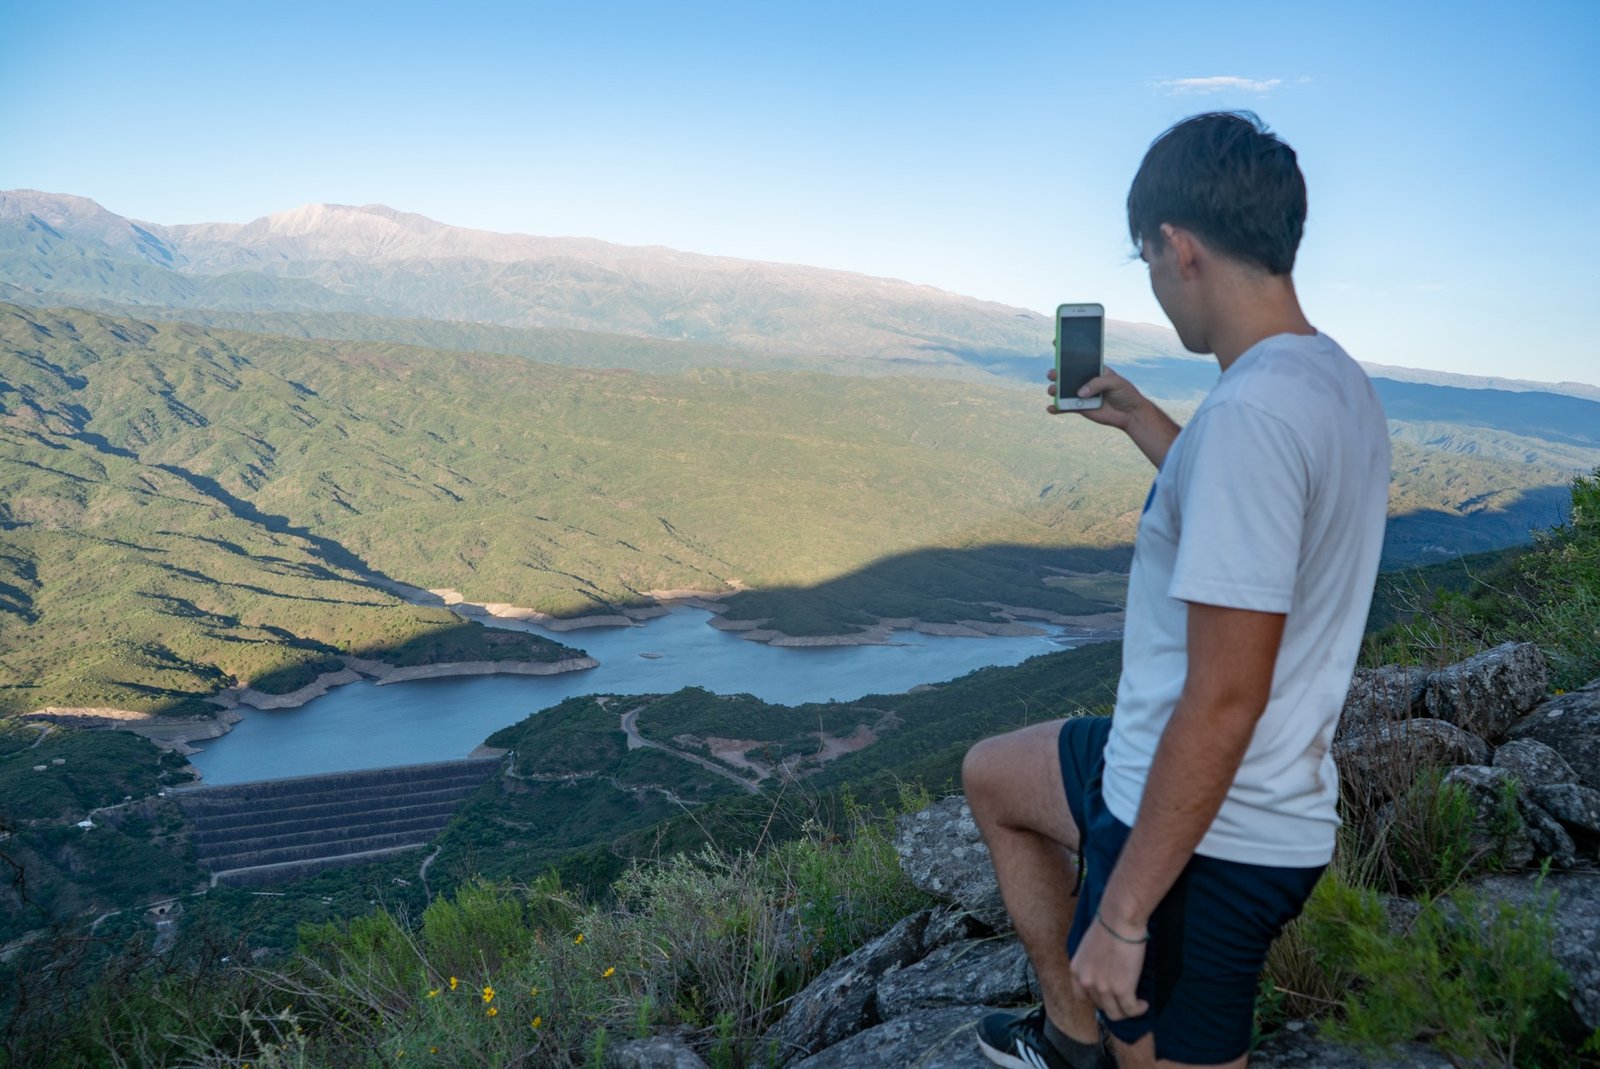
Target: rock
(1533, 763)
(943, 853)
(1570, 725)
(1575, 806)
(656, 1052)
(1382, 761)
(1498, 832)
(1296, 1046)
(1549, 838)
(993, 971)
(951, 925)
(1485, 694)
(843, 999)
(1393, 692)
(1577, 921)
(927, 1039)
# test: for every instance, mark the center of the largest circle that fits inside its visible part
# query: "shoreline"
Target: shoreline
(176, 733)
(1094, 627)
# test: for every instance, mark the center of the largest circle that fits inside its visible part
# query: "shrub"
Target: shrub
(1474, 978)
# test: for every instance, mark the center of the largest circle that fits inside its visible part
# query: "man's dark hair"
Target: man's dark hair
(1229, 179)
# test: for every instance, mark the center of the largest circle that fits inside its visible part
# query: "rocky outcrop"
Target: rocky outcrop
(1487, 693)
(1529, 769)
(942, 851)
(1570, 725)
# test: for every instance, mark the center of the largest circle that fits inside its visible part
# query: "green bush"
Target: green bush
(1474, 978)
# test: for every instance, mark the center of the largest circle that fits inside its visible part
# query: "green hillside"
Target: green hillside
(180, 506)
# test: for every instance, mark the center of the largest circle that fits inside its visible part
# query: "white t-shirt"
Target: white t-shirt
(1273, 498)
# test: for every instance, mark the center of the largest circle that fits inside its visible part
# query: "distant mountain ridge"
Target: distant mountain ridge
(375, 260)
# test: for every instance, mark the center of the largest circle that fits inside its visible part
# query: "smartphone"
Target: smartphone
(1080, 352)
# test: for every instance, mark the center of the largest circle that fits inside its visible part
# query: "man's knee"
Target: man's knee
(982, 770)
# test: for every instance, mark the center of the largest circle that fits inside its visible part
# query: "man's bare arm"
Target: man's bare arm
(1232, 653)
(1125, 408)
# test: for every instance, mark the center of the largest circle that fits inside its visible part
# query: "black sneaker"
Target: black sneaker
(1017, 1041)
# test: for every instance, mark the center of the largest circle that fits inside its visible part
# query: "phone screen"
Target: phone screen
(1080, 339)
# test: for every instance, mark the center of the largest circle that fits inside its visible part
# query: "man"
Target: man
(1203, 811)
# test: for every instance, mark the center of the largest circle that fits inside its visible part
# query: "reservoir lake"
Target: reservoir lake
(363, 725)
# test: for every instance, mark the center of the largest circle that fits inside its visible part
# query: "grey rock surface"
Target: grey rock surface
(1485, 694)
(1393, 692)
(926, 1039)
(1496, 833)
(1570, 725)
(1577, 920)
(1574, 805)
(844, 998)
(951, 924)
(1296, 1046)
(1373, 759)
(1533, 763)
(943, 853)
(1549, 838)
(991, 971)
(656, 1052)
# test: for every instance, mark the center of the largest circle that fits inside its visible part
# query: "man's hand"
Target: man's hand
(1108, 971)
(1125, 408)
(1120, 401)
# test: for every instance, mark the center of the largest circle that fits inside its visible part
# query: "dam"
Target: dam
(271, 831)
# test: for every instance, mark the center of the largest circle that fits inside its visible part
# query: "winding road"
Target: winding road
(630, 727)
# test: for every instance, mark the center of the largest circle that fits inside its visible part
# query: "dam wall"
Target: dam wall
(247, 834)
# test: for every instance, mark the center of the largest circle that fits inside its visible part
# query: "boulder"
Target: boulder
(656, 1052)
(927, 1039)
(1383, 760)
(1393, 692)
(1577, 921)
(943, 853)
(1549, 838)
(1570, 725)
(1497, 832)
(1533, 763)
(1485, 694)
(1575, 806)
(844, 998)
(992, 971)
(1296, 1046)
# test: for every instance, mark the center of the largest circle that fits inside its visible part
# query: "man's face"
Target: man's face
(1175, 298)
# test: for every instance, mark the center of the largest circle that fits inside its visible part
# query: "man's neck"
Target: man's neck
(1252, 309)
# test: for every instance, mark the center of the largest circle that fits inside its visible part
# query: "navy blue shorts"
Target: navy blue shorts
(1208, 937)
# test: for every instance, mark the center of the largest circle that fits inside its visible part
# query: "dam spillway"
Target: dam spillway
(271, 831)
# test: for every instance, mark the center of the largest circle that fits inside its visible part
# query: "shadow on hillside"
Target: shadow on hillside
(1429, 536)
(936, 586)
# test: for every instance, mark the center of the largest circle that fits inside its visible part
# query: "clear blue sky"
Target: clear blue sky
(1451, 149)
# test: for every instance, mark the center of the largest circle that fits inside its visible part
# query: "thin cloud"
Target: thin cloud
(1219, 83)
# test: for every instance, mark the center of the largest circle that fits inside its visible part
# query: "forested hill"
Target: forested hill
(183, 505)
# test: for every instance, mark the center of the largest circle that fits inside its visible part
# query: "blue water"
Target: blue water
(363, 725)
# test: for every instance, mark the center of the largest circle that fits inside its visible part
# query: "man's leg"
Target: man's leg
(1013, 785)
(1142, 1055)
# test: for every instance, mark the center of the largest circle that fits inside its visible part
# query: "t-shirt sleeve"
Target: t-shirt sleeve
(1243, 490)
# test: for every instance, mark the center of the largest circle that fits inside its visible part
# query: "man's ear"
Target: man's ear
(1187, 251)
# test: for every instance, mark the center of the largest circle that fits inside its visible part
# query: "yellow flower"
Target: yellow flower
(453, 983)
(433, 1050)
(579, 940)
(534, 992)
(434, 993)
(488, 993)
(491, 1011)
(537, 1021)
(611, 970)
